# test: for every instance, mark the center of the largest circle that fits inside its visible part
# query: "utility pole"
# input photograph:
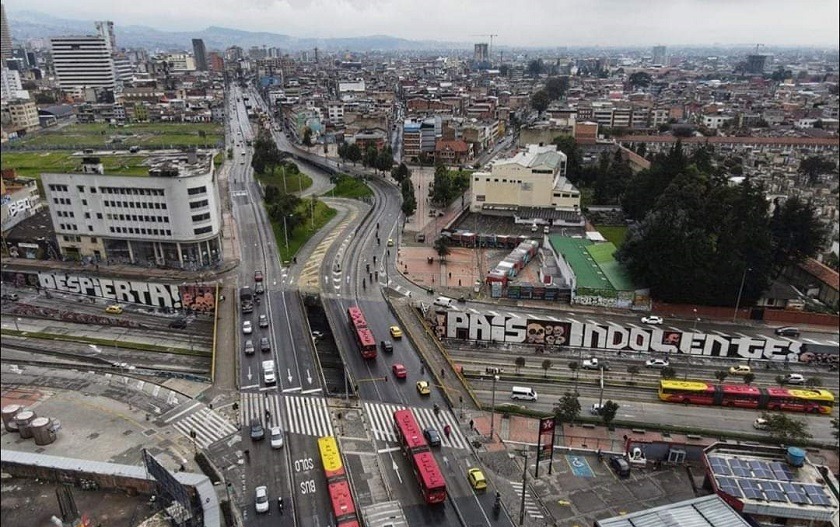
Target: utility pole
(524, 482)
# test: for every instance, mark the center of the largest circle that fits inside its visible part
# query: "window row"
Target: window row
(197, 190)
(68, 227)
(61, 201)
(64, 214)
(132, 191)
(134, 204)
(199, 204)
(134, 217)
(140, 230)
(201, 217)
(203, 230)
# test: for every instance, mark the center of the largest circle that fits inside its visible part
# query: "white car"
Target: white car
(794, 378)
(247, 328)
(261, 501)
(596, 409)
(276, 437)
(652, 319)
(657, 363)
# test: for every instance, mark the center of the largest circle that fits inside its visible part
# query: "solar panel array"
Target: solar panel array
(762, 480)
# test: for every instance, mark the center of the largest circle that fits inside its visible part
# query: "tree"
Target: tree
(797, 232)
(400, 173)
(835, 429)
(813, 382)
(441, 247)
(540, 101)
(519, 363)
(535, 67)
(633, 370)
(608, 412)
(749, 378)
(721, 375)
(370, 155)
(781, 380)
(574, 160)
(354, 153)
(574, 366)
(786, 430)
(813, 167)
(307, 137)
(442, 190)
(385, 159)
(667, 372)
(568, 408)
(556, 87)
(546, 365)
(640, 79)
(409, 204)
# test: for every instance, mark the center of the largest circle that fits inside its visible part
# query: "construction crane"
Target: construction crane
(490, 48)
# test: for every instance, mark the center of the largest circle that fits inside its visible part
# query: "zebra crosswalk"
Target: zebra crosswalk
(303, 415)
(381, 419)
(531, 508)
(207, 425)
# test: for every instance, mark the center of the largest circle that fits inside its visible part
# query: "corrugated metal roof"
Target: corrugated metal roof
(708, 511)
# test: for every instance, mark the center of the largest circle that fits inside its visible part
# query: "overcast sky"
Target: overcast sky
(517, 22)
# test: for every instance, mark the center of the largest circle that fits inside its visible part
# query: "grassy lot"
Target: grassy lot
(32, 164)
(349, 187)
(294, 182)
(142, 134)
(301, 234)
(613, 234)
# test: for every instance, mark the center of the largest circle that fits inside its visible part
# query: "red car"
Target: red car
(399, 371)
(258, 276)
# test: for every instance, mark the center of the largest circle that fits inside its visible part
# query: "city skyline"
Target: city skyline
(605, 23)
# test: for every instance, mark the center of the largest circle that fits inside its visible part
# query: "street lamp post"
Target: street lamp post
(524, 482)
(16, 323)
(493, 408)
(695, 320)
(740, 291)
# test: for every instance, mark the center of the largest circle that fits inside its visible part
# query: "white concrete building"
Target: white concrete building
(83, 62)
(170, 217)
(10, 85)
(23, 114)
(535, 178)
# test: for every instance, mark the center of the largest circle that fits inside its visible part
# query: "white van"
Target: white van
(443, 301)
(524, 393)
(268, 372)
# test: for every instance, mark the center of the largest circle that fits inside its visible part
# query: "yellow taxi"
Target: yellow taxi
(476, 478)
(114, 309)
(390, 242)
(740, 369)
(396, 332)
(423, 388)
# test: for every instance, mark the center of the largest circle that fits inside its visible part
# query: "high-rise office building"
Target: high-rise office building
(756, 64)
(5, 37)
(105, 29)
(481, 54)
(199, 54)
(82, 62)
(659, 55)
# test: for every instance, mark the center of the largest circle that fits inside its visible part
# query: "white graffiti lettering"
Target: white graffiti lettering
(519, 330)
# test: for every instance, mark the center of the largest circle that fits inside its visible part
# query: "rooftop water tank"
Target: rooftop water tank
(795, 456)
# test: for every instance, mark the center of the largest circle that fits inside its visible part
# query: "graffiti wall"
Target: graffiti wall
(28, 310)
(200, 298)
(520, 330)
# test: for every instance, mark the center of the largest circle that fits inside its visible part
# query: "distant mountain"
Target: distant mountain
(26, 25)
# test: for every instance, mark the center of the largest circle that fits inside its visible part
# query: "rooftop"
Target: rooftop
(708, 511)
(535, 156)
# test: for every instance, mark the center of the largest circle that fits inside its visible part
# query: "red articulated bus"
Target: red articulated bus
(746, 396)
(361, 332)
(341, 498)
(414, 446)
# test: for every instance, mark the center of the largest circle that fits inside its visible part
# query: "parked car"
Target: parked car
(399, 371)
(794, 378)
(114, 309)
(787, 331)
(249, 347)
(257, 430)
(657, 363)
(432, 436)
(739, 369)
(261, 500)
(620, 466)
(652, 319)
